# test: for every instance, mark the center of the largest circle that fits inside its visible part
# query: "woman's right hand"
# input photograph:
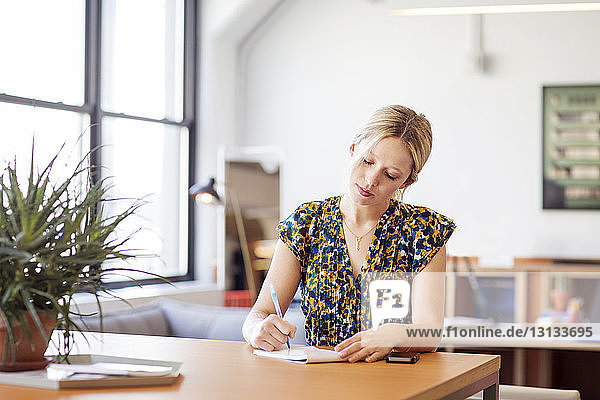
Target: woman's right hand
(272, 333)
(263, 329)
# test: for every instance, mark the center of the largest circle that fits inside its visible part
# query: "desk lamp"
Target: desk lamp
(207, 194)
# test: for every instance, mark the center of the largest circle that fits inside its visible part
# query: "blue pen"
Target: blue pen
(278, 309)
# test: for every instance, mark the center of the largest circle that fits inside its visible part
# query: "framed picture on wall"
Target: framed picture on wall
(571, 147)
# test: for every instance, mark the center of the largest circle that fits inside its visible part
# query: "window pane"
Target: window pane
(51, 128)
(42, 48)
(142, 57)
(145, 161)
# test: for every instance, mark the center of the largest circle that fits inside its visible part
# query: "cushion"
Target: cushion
(215, 322)
(202, 321)
(146, 320)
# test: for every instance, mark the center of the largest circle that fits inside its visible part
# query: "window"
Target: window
(114, 74)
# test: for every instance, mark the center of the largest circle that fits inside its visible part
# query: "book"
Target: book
(302, 355)
(96, 371)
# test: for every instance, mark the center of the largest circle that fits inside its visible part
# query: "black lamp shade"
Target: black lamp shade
(205, 193)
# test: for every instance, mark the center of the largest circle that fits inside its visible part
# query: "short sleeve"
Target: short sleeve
(295, 231)
(431, 232)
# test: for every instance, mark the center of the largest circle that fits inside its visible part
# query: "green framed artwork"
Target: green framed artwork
(571, 147)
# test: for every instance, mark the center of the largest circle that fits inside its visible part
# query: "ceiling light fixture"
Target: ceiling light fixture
(503, 9)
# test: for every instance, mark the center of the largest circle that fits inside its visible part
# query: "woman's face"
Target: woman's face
(383, 171)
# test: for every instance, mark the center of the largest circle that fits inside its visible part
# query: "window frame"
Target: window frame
(92, 107)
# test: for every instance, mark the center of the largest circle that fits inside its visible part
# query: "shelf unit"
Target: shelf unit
(533, 363)
(526, 287)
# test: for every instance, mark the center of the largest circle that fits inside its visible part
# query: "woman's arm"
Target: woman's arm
(263, 328)
(428, 298)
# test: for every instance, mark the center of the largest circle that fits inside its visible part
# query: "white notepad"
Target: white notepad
(302, 354)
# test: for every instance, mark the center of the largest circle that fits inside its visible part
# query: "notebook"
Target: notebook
(302, 355)
(96, 371)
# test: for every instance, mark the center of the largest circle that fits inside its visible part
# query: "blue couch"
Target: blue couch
(175, 318)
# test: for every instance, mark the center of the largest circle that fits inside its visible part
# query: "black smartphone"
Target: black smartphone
(403, 357)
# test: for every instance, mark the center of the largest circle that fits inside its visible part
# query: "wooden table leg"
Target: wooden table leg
(489, 385)
(492, 392)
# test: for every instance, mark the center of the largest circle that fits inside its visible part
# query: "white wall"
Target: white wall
(224, 26)
(315, 72)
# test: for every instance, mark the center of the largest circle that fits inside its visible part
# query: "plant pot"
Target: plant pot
(26, 357)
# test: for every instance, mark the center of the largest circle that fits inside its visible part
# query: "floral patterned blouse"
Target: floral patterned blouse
(406, 239)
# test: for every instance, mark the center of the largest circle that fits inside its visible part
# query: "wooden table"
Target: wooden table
(223, 369)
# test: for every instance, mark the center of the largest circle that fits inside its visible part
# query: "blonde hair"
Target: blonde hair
(400, 122)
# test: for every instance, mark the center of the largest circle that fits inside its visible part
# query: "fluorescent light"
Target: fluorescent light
(505, 9)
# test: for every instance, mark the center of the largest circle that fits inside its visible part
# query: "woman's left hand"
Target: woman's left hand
(370, 345)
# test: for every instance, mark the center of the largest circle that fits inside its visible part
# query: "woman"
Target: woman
(325, 245)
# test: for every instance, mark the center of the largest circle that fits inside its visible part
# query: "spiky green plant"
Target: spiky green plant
(53, 239)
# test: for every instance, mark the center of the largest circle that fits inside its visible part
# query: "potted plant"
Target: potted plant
(54, 238)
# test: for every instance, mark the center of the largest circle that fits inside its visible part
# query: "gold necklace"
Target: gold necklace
(358, 238)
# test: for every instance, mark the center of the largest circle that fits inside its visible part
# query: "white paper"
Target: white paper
(302, 354)
(106, 368)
